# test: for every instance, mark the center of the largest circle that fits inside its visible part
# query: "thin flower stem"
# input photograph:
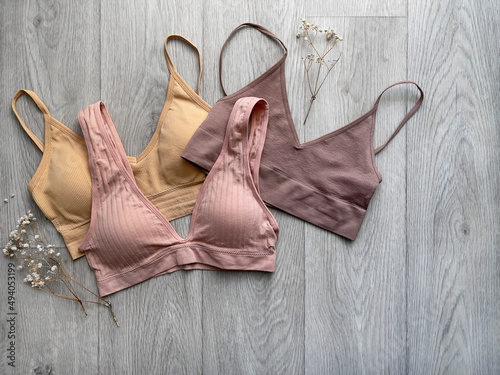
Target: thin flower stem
(65, 281)
(317, 79)
(313, 47)
(71, 298)
(332, 47)
(88, 290)
(113, 315)
(67, 274)
(319, 70)
(71, 290)
(309, 110)
(307, 75)
(329, 69)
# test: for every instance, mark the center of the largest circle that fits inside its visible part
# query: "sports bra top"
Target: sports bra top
(130, 241)
(328, 181)
(61, 185)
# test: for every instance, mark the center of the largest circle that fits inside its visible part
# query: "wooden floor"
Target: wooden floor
(418, 292)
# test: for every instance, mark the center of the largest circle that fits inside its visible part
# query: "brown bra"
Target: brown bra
(328, 181)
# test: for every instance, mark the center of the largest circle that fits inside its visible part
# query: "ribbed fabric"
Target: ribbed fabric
(130, 241)
(61, 185)
(328, 182)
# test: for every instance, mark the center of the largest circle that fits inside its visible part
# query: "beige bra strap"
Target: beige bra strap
(408, 115)
(171, 66)
(39, 104)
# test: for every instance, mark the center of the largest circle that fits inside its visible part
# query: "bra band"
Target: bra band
(408, 115)
(258, 28)
(40, 106)
(171, 66)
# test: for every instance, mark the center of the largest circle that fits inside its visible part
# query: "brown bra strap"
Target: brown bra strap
(171, 66)
(39, 104)
(408, 115)
(258, 28)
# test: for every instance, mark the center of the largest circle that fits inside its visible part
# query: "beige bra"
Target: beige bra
(61, 186)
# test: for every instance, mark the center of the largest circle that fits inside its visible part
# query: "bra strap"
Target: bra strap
(171, 66)
(263, 30)
(40, 106)
(408, 115)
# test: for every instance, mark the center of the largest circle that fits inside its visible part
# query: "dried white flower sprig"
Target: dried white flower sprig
(44, 265)
(311, 34)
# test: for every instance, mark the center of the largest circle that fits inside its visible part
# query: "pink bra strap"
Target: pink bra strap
(171, 66)
(263, 30)
(408, 115)
(40, 106)
(247, 127)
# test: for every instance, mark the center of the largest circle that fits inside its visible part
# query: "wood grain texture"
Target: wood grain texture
(360, 8)
(453, 195)
(162, 316)
(253, 322)
(43, 49)
(355, 295)
(416, 293)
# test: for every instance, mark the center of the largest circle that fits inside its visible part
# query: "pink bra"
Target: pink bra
(130, 241)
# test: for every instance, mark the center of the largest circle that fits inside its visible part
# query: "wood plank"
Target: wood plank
(161, 323)
(364, 8)
(44, 49)
(355, 291)
(453, 200)
(253, 322)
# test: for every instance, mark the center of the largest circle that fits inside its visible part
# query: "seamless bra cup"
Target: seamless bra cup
(130, 241)
(328, 181)
(61, 186)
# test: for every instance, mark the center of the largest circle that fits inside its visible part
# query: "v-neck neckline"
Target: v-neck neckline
(116, 146)
(174, 77)
(297, 144)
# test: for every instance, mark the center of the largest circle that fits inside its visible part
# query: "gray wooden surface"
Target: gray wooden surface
(417, 292)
